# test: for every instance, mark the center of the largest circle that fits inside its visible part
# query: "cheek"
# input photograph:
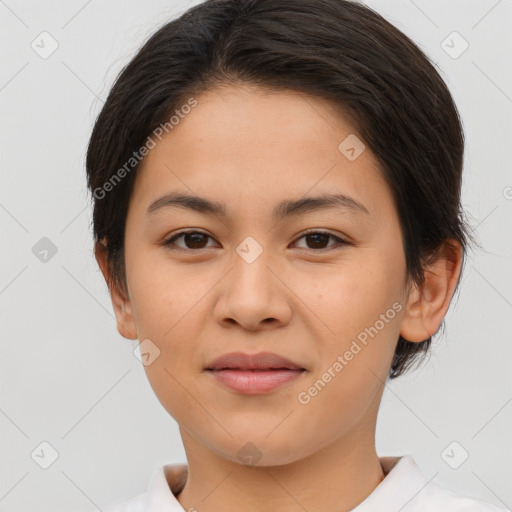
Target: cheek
(353, 297)
(164, 295)
(361, 304)
(355, 361)
(166, 309)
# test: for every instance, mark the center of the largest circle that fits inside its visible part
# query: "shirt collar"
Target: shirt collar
(403, 481)
(165, 484)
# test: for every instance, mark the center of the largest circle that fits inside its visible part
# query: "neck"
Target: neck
(338, 477)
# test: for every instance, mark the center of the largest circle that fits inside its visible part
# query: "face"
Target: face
(321, 284)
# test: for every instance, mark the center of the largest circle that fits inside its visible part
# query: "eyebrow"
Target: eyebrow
(284, 209)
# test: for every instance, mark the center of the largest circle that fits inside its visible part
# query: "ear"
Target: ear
(427, 305)
(120, 302)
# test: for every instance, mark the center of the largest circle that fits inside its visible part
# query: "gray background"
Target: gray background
(69, 379)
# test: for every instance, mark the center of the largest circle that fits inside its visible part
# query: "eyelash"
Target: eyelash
(170, 242)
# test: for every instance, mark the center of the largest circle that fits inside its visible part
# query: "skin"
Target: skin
(251, 149)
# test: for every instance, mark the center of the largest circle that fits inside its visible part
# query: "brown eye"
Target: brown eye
(318, 240)
(193, 240)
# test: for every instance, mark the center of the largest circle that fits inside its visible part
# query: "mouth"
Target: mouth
(254, 373)
(256, 362)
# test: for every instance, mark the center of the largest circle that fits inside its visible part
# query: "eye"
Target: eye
(193, 239)
(318, 239)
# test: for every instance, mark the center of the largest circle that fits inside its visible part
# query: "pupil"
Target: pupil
(316, 237)
(196, 239)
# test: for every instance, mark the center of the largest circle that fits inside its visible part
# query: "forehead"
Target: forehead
(260, 147)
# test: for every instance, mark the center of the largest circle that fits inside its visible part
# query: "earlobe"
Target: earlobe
(427, 304)
(120, 302)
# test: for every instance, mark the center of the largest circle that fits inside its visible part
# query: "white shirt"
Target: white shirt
(404, 489)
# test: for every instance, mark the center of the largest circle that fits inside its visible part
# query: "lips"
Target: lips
(254, 374)
(255, 362)
(255, 382)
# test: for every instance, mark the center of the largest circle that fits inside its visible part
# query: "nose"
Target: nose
(254, 296)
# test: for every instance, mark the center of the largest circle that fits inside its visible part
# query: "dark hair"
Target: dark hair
(339, 50)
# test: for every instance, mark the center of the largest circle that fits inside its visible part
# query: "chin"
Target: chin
(260, 450)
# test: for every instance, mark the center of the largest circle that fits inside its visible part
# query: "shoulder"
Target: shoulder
(135, 504)
(436, 498)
